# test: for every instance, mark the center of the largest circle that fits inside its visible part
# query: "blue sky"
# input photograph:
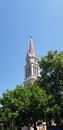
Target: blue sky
(19, 19)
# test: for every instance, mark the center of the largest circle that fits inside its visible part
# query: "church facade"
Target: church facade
(31, 68)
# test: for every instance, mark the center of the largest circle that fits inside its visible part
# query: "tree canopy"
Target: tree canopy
(51, 67)
(22, 106)
(41, 100)
(51, 80)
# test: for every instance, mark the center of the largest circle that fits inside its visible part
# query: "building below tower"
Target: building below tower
(32, 67)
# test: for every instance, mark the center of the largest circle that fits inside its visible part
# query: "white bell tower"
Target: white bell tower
(32, 66)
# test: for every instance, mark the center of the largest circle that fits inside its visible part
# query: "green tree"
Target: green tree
(51, 79)
(38, 102)
(52, 72)
(22, 106)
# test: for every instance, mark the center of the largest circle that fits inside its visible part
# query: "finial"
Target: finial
(30, 36)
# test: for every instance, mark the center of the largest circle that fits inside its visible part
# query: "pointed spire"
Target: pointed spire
(31, 48)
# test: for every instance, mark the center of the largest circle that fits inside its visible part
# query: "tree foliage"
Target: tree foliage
(22, 106)
(41, 100)
(52, 72)
(51, 80)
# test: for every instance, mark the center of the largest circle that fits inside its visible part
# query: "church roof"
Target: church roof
(31, 48)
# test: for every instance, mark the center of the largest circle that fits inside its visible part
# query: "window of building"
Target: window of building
(28, 72)
(35, 71)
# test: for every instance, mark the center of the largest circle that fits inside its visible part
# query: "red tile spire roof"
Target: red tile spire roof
(31, 48)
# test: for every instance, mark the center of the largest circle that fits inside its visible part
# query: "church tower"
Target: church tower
(32, 66)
